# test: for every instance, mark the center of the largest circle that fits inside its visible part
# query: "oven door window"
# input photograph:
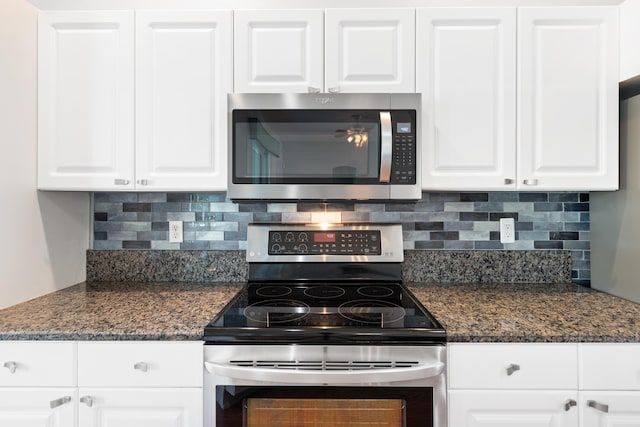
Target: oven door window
(238, 406)
(306, 146)
(269, 412)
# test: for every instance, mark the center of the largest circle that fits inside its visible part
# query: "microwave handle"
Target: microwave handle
(386, 141)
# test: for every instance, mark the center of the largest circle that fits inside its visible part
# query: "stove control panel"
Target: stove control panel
(316, 242)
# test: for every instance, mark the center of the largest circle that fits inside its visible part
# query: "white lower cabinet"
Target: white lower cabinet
(610, 385)
(38, 407)
(610, 408)
(526, 408)
(140, 384)
(101, 384)
(515, 385)
(133, 407)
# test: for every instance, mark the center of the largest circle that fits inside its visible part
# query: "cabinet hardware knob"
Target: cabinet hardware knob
(334, 89)
(142, 182)
(508, 181)
(141, 366)
(512, 368)
(598, 406)
(121, 181)
(530, 182)
(569, 404)
(59, 402)
(11, 366)
(312, 89)
(87, 400)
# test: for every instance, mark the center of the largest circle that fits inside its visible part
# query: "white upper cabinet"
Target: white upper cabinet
(568, 98)
(183, 75)
(279, 50)
(466, 72)
(370, 50)
(85, 100)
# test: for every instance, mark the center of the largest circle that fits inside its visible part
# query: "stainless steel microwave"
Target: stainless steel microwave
(324, 147)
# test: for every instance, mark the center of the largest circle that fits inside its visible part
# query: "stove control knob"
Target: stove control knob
(275, 248)
(289, 237)
(303, 237)
(303, 248)
(277, 237)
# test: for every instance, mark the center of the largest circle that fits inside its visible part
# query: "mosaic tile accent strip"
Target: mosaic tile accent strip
(439, 221)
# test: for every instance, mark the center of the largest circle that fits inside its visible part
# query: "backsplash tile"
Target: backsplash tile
(439, 221)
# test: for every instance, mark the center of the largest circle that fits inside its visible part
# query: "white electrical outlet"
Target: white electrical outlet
(507, 230)
(175, 231)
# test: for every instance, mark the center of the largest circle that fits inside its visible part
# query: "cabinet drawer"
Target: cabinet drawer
(513, 366)
(26, 364)
(140, 364)
(610, 366)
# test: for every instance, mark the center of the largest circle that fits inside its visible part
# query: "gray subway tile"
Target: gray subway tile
(164, 245)
(506, 196)
(223, 207)
(181, 216)
(209, 235)
(458, 244)
(107, 244)
(224, 245)
(152, 197)
(153, 235)
(487, 244)
(460, 206)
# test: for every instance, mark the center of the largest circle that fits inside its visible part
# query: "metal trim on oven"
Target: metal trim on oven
(221, 369)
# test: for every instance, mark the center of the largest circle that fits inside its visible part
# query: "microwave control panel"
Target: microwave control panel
(338, 242)
(403, 166)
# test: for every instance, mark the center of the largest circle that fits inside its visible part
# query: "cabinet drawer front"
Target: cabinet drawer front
(610, 366)
(513, 366)
(140, 364)
(26, 364)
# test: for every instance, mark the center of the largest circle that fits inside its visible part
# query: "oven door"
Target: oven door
(320, 152)
(394, 386)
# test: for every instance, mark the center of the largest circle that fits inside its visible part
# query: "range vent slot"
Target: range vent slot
(320, 365)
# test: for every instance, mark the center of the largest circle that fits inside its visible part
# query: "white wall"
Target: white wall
(43, 236)
(629, 39)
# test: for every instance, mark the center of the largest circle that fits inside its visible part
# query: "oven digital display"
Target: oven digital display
(324, 237)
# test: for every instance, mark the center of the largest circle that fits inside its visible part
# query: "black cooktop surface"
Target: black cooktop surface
(325, 313)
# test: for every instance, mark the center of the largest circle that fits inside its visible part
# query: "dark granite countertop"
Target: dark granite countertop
(529, 313)
(179, 311)
(118, 311)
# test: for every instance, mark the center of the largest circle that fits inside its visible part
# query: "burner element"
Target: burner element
(378, 312)
(375, 291)
(275, 311)
(273, 291)
(324, 291)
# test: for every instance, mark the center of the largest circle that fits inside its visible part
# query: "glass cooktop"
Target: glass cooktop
(324, 313)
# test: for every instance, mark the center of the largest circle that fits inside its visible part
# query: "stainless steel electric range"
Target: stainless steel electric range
(325, 331)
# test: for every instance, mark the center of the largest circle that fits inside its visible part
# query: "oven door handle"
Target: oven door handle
(293, 376)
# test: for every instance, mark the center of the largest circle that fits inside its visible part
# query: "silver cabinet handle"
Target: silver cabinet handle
(312, 89)
(530, 182)
(11, 366)
(569, 404)
(59, 402)
(142, 182)
(141, 366)
(597, 406)
(121, 181)
(386, 142)
(512, 368)
(334, 89)
(508, 181)
(87, 400)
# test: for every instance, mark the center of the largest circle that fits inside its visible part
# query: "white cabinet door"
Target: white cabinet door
(183, 74)
(111, 407)
(85, 100)
(610, 409)
(32, 407)
(370, 50)
(568, 98)
(278, 50)
(514, 408)
(466, 72)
